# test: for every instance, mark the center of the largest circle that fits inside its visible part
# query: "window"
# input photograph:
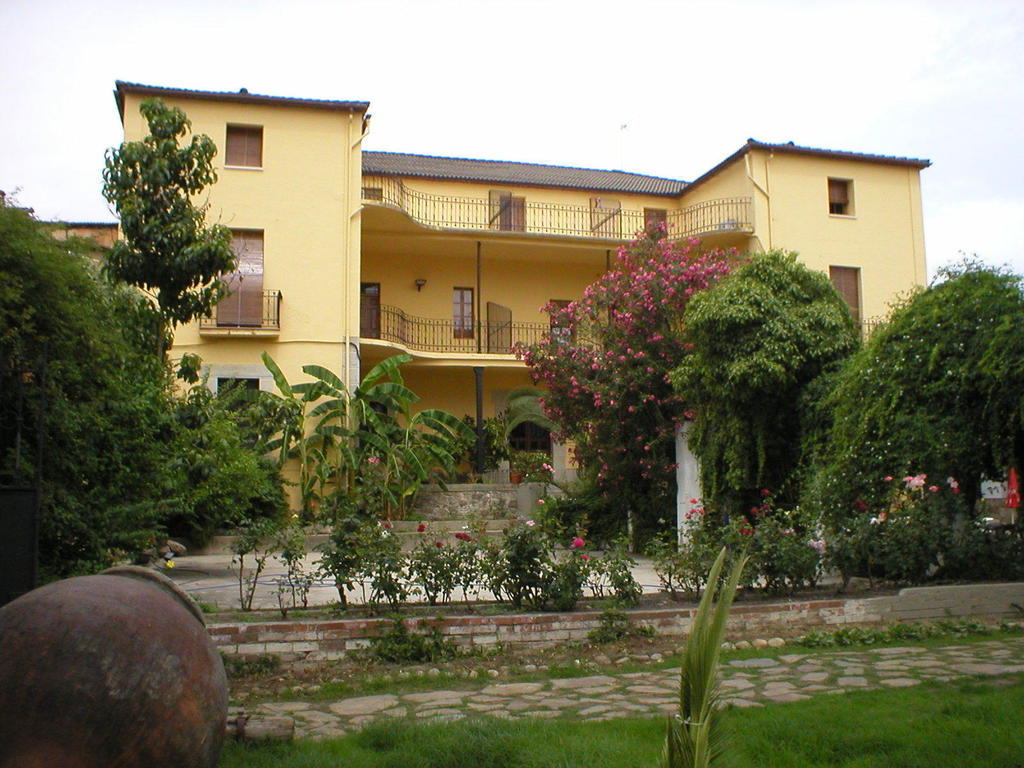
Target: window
(228, 383)
(655, 218)
(528, 436)
(847, 282)
(462, 313)
(840, 197)
(560, 328)
(244, 146)
(604, 216)
(369, 310)
(243, 306)
(507, 212)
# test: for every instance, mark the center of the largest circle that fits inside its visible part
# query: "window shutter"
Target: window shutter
(244, 146)
(847, 281)
(244, 304)
(838, 192)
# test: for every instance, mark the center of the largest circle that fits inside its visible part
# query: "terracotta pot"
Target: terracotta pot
(112, 670)
(515, 477)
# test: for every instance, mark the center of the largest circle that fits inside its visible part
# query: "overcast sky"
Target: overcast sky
(553, 82)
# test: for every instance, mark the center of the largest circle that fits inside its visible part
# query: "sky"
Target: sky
(664, 88)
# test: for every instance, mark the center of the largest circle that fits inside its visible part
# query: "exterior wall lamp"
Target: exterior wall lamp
(420, 282)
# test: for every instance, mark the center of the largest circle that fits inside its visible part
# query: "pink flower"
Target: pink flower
(421, 527)
(952, 483)
(530, 523)
(373, 460)
(887, 478)
(765, 492)
(915, 481)
(933, 488)
(541, 501)
(584, 557)
(577, 543)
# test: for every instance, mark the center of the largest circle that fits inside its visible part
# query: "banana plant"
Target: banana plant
(695, 736)
(365, 443)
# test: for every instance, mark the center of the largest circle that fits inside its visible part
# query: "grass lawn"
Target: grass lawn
(963, 724)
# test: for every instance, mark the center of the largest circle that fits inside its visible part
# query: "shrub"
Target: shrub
(611, 574)
(400, 645)
(615, 626)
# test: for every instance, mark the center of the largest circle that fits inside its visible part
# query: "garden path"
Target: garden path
(751, 682)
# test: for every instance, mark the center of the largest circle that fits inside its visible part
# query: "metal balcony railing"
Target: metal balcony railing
(259, 310)
(430, 335)
(511, 214)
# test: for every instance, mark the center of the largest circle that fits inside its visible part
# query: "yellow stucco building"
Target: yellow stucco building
(348, 257)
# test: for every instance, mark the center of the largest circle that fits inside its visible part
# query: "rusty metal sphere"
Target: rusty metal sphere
(109, 670)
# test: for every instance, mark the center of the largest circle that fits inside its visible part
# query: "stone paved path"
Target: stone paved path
(747, 682)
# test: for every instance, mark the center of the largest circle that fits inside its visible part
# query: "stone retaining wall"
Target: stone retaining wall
(330, 640)
(466, 500)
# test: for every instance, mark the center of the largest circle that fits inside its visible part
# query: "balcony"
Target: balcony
(245, 313)
(514, 214)
(447, 336)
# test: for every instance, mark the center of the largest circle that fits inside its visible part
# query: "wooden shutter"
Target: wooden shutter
(244, 304)
(604, 216)
(838, 196)
(244, 146)
(499, 329)
(847, 282)
(500, 204)
(506, 212)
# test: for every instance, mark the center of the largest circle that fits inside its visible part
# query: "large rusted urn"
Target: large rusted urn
(109, 670)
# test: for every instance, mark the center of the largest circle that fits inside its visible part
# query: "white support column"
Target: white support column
(687, 478)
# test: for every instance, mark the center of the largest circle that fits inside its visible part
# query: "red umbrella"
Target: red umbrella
(1012, 489)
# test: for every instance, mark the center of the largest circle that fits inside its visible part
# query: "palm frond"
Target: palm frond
(695, 737)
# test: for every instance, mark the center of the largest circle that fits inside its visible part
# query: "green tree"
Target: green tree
(759, 338)
(166, 250)
(938, 390)
(85, 414)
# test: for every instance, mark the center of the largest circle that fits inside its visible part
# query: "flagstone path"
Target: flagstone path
(747, 683)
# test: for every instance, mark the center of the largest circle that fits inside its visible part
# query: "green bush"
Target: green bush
(400, 645)
(937, 390)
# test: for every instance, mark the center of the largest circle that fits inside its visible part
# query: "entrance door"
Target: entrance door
(369, 310)
(499, 329)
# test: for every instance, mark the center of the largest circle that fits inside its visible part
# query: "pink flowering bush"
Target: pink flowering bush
(606, 371)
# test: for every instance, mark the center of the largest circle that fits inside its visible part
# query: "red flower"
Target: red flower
(584, 557)
(765, 492)
(463, 536)
(438, 544)
(577, 543)
(386, 524)
(747, 531)
(421, 528)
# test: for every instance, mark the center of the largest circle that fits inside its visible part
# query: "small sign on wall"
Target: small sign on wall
(993, 489)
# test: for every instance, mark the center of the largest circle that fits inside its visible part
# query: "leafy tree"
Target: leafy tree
(936, 391)
(166, 250)
(758, 339)
(606, 369)
(85, 412)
